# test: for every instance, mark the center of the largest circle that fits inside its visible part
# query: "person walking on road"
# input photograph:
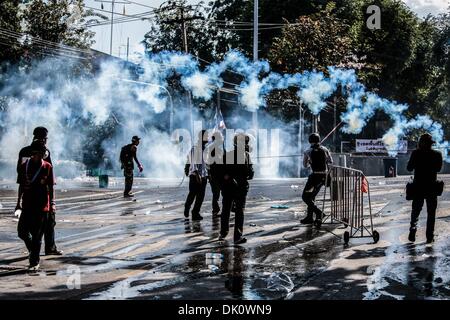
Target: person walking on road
(40, 137)
(215, 151)
(128, 155)
(36, 200)
(317, 157)
(235, 172)
(195, 169)
(426, 163)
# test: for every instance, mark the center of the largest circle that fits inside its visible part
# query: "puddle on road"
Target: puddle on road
(269, 271)
(411, 271)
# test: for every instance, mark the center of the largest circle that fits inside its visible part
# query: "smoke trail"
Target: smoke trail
(75, 107)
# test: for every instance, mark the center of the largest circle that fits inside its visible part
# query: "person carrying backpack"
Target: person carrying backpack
(128, 155)
(317, 157)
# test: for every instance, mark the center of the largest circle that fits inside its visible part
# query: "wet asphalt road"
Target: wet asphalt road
(145, 249)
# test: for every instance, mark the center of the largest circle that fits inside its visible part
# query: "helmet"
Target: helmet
(40, 132)
(314, 138)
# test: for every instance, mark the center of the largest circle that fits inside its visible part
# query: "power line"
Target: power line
(145, 13)
(42, 43)
(126, 18)
(140, 4)
(42, 52)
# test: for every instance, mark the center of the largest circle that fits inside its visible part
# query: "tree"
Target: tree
(236, 17)
(9, 21)
(436, 96)
(166, 31)
(59, 21)
(312, 42)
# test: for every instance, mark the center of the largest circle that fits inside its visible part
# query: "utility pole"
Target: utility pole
(112, 24)
(315, 128)
(300, 139)
(334, 122)
(128, 46)
(182, 18)
(113, 2)
(255, 53)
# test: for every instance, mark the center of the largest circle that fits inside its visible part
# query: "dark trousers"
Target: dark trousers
(238, 197)
(49, 232)
(417, 205)
(197, 189)
(31, 229)
(215, 189)
(312, 188)
(128, 173)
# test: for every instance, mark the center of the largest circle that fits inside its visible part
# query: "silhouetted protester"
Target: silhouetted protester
(215, 151)
(317, 157)
(40, 136)
(36, 199)
(235, 172)
(195, 169)
(426, 163)
(128, 155)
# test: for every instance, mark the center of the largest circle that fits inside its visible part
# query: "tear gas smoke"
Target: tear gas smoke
(78, 109)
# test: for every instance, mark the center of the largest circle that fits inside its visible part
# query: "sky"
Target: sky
(136, 30)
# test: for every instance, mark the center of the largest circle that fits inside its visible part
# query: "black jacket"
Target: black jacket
(237, 172)
(425, 164)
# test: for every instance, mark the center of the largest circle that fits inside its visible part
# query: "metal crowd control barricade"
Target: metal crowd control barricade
(348, 188)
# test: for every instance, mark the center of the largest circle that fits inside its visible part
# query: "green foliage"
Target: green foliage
(9, 20)
(166, 31)
(312, 42)
(60, 21)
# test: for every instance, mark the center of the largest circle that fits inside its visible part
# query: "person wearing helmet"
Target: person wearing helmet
(195, 169)
(317, 157)
(128, 155)
(426, 163)
(40, 137)
(235, 172)
(35, 199)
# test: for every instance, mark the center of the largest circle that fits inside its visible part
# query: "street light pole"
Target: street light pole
(255, 52)
(112, 24)
(300, 139)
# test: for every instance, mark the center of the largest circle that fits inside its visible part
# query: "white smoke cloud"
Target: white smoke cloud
(136, 103)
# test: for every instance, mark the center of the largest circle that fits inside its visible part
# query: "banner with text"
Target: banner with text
(377, 146)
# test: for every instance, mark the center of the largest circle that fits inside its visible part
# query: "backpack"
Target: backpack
(318, 159)
(125, 154)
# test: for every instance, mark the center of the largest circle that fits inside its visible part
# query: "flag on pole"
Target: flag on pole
(219, 122)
